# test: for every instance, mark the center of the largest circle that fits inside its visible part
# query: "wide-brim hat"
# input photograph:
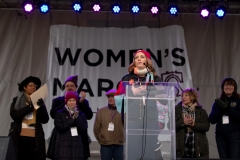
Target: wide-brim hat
(27, 80)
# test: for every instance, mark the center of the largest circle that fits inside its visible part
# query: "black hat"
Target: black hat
(229, 79)
(27, 80)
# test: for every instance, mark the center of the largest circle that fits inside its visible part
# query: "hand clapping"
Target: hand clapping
(83, 96)
(188, 121)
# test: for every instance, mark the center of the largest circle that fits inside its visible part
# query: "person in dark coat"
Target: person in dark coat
(82, 104)
(141, 72)
(69, 123)
(191, 127)
(28, 135)
(226, 115)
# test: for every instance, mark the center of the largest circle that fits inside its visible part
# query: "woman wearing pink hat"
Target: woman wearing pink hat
(141, 72)
(69, 123)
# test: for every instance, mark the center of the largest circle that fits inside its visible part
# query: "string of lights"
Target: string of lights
(205, 8)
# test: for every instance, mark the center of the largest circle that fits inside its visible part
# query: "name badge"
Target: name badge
(111, 126)
(74, 131)
(225, 119)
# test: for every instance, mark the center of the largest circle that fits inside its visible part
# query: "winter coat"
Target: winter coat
(58, 104)
(42, 117)
(100, 129)
(232, 112)
(200, 128)
(69, 147)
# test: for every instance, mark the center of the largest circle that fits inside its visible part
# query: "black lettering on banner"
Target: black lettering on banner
(131, 54)
(61, 60)
(101, 88)
(57, 82)
(158, 60)
(110, 55)
(166, 52)
(100, 57)
(88, 89)
(175, 55)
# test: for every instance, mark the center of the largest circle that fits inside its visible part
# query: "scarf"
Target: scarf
(71, 111)
(143, 72)
(189, 111)
(189, 136)
(23, 100)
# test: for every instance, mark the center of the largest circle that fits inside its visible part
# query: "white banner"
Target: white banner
(101, 56)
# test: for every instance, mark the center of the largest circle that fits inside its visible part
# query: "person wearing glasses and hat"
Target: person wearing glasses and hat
(28, 135)
(108, 130)
(191, 126)
(226, 115)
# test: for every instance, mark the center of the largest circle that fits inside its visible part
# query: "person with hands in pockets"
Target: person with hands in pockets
(108, 130)
(69, 123)
(226, 115)
(28, 135)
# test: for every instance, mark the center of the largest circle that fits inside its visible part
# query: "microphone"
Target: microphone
(150, 79)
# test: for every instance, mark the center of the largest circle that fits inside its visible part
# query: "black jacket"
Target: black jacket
(232, 112)
(58, 104)
(42, 117)
(69, 147)
(200, 128)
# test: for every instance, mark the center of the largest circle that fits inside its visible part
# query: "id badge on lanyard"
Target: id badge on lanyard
(111, 126)
(225, 119)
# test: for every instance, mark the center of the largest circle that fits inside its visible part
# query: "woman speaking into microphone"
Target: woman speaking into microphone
(142, 113)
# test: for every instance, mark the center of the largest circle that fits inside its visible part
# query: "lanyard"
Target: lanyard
(113, 115)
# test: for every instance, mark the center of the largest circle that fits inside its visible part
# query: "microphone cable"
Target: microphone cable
(145, 101)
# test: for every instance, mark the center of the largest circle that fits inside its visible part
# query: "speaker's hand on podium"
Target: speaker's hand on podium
(137, 90)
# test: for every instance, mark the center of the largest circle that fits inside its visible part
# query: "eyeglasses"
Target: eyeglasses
(69, 86)
(33, 85)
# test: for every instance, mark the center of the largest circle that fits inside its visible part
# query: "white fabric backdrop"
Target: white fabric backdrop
(166, 44)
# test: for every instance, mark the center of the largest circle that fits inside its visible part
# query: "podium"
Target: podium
(149, 121)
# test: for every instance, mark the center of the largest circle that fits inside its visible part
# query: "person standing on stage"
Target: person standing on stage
(226, 115)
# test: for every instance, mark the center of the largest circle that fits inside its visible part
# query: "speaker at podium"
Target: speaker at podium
(7, 151)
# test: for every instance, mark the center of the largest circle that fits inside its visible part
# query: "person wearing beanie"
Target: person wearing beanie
(27, 133)
(226, 115)
(69, 123)
(70, 85)
(141, 72)
(108, 130)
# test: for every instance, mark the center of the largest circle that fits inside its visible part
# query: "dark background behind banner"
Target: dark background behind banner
(212, 45)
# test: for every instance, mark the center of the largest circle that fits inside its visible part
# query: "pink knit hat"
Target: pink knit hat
(147, 54)
(70, 95)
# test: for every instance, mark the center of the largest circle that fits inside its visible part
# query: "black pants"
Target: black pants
(27, 148)
(228, 144)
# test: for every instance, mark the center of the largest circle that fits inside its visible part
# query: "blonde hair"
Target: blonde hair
(192, 93)
(149, 65)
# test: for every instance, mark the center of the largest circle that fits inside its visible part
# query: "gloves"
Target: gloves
(221, 104)
(41, 103)
(75, 115)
